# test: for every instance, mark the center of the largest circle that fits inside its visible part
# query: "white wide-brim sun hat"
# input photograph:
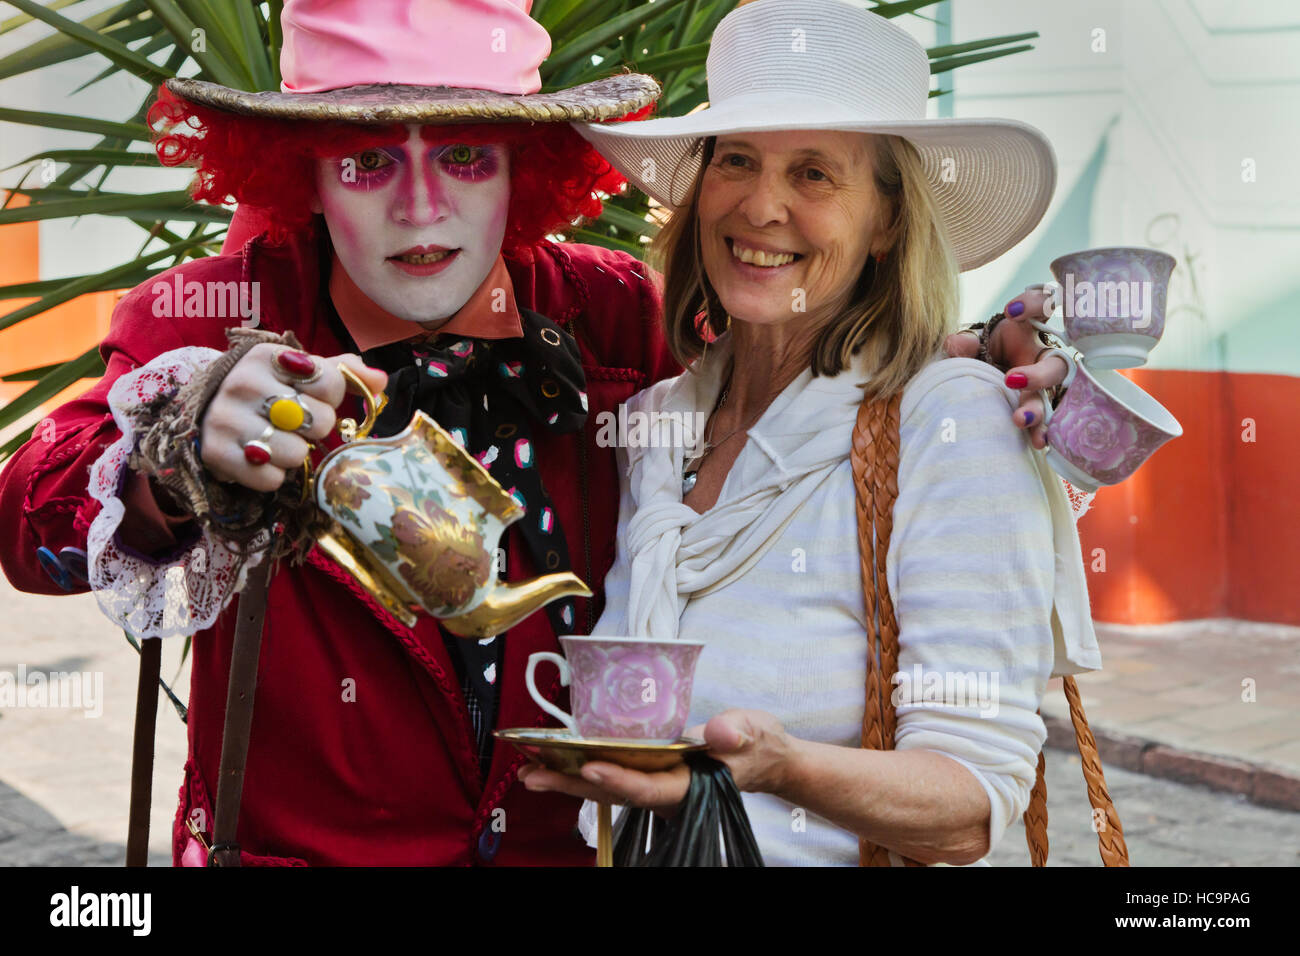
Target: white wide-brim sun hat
(828, 65)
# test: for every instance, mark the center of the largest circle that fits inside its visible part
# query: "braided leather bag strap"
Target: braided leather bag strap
(874, 458)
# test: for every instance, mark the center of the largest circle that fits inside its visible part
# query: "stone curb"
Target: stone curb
(1259, 783)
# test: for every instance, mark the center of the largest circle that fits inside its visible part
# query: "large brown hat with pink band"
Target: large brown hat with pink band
(420, 61)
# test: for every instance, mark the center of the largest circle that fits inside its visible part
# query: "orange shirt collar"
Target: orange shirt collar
(490, 313)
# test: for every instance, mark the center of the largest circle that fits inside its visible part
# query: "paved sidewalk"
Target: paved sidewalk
(65, 775)
(1209, 702)
(1169, 703)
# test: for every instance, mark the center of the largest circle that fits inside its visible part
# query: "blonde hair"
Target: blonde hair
(900, 311)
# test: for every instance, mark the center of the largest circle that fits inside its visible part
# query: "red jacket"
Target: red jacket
(391, 778)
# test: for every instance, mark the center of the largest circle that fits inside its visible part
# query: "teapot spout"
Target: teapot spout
(508, 604)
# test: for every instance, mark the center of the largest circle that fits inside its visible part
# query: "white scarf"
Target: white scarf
(676, 553)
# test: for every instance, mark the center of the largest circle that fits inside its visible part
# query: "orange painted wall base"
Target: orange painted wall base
(1207, 527)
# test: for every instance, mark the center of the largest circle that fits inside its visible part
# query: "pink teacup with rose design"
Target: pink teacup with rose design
(622, 688)
(1113, 301)
(1104, 428)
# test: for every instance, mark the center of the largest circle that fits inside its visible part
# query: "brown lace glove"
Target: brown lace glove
(168, 451)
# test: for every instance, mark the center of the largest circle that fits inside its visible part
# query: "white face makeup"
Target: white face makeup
(418, 225)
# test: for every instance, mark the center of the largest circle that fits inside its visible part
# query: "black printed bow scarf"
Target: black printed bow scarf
(490, 394)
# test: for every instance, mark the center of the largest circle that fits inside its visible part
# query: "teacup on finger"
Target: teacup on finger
(622, 688)
(1113, 302)
(1104, 428)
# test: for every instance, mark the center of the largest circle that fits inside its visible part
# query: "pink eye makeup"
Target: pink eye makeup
(372, 168)
(470, 163)
(369, 168)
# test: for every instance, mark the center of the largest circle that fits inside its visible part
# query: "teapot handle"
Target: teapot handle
(347, 428)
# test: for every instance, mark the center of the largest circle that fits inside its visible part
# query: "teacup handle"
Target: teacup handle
(347, 428)
(1071, 370)
(1044, 326)
(565, 675)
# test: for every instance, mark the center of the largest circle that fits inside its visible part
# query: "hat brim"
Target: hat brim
(992, 179)
(606, 99)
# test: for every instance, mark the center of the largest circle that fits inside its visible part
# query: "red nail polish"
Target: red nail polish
(1017, 380)
(256, 455)
(296, 363)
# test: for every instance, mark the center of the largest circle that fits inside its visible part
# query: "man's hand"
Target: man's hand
(1014, 348)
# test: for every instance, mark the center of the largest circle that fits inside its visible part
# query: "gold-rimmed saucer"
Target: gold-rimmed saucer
(560, 749)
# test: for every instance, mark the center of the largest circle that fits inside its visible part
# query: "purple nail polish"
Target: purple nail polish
(1015, 308)
(1029, 418)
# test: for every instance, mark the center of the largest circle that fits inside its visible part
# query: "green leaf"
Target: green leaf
(95, 157)
(945, 64)
(598, 239)
(275, 37)
(109, 278)
(13, 444)
(210, 61)
(657, 63)
(161, 40)
(31, 374)
(953, 49)
(28, 290)
(170, 205)
(683, 22)
(82, 124)
(87, 365)
(13, 23)
(119, 53)
(57, 48)
(608, 31)
(622, 219)
(254, 49)
(892, 10)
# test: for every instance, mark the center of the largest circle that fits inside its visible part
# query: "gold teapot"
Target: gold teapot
(416, 521)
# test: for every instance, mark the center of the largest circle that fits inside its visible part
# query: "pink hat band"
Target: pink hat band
(469, 44)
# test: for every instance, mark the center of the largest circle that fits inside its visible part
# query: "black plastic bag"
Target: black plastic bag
(712, 818)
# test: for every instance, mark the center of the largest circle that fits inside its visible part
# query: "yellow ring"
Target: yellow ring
(286, 414)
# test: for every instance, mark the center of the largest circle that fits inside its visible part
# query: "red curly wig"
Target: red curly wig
(269, 165)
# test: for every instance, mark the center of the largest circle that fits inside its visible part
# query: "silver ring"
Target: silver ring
(296, 398)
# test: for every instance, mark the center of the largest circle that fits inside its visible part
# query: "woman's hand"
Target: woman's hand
(234, 416)
(752, 743)
(1014, 348)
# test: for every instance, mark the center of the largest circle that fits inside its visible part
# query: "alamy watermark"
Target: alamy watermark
(78, 690)
(637, 429)
(212, 300)
(975, 690)
(1128, 299)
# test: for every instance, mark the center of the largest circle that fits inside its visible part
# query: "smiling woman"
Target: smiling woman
(811, 257)
(864, 237)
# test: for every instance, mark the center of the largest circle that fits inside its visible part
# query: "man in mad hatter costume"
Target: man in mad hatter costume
(394, 202)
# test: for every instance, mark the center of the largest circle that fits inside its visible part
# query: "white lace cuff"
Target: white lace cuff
(155, 599)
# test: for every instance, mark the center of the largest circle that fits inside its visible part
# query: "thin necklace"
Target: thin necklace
(690, 475)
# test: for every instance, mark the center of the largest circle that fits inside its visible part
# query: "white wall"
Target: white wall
(1196, 88)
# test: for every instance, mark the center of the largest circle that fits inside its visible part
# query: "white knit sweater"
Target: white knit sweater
(977, 554)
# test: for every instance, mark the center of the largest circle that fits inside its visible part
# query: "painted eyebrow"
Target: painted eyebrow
(806, 153)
